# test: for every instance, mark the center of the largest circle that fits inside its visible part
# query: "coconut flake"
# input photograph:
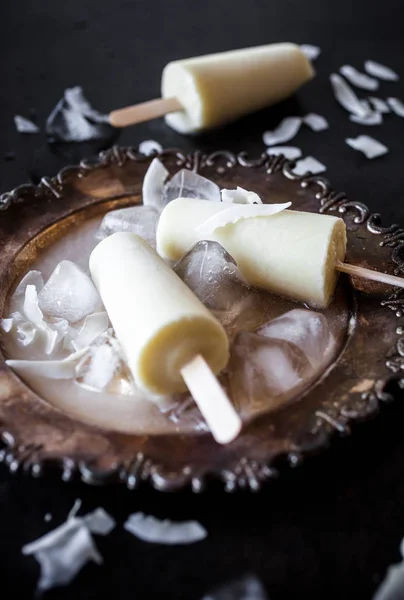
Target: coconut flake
(248, 587)
(94, 325)
(99, 522)
(380, 71)
(49, 369)
(286, 130)
(63, 551)
(7, 324)
(24, 125)
(240, 196)
(150, 529)
(236, 213)
(397, 106)
(289, 152)
(31, 306)
(312, 52)
(47, 517)
(150, 147)
(379, 105)
(17, 299)
(392, 586)
(358, 79)
(345, 95)
(153, 184)
(374, 118)
(309, 164)
(370, 147)
(315, 122)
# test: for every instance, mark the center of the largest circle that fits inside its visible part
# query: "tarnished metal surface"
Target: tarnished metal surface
(34, 434)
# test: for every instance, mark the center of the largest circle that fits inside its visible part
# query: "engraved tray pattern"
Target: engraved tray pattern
(36, 437)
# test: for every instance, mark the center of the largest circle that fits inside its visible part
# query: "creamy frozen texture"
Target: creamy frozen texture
(290, 253)
(219, 88)
(160, 324)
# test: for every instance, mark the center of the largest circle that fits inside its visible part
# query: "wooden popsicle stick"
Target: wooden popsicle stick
(146, 111)
(220, 414)
(369, 274)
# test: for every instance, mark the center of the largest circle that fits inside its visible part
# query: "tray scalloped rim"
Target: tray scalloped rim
(249, 474)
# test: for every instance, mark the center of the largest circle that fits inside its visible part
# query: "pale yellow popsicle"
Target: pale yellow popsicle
(160, 324)
(289, 253)
(219, 88)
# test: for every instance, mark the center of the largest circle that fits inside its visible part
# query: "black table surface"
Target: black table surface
(329, 528)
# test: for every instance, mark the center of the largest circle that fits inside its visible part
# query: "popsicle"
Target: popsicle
(215, 89)
(290, 253)
(169, 338)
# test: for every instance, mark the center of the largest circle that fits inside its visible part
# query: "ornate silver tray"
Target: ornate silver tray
(34, 435)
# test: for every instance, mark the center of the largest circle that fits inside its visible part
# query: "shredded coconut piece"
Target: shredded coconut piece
(345, 95)
(239, 212)
(153, 184)
(240, 196)
(374, 118)
(289, 152)
(358, 79)
(315, 122)
(64, 551)
(397, 106)
(370, 147)
(312, 52)
(380, 71)
(309, 164)
(286, 130)
(150, 147)
(24, 125)
(49, 369)
(379, 105)
(150, 529)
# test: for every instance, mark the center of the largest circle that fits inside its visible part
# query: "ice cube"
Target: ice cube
(212, 274)
(69, 293)
(263, 372)
(136, 219)
(186, 184)
(305, 328)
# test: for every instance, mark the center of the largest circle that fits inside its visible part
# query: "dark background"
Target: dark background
(329, 528)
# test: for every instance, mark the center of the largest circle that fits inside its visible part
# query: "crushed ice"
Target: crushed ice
(187, 184)
(69, 293)
(153, 530)
(141, 220)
